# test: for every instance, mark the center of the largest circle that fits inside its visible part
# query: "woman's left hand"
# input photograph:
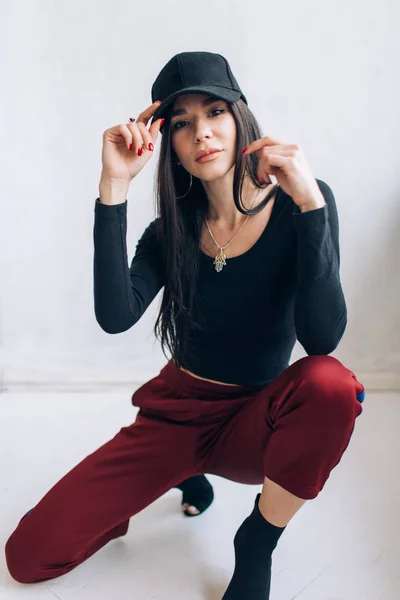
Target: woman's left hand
(289, 165)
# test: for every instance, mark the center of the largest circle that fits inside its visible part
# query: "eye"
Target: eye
(219, 110)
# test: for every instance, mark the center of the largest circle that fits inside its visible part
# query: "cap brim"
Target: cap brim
(220, 92)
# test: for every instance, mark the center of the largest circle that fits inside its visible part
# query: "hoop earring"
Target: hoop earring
(190, 186)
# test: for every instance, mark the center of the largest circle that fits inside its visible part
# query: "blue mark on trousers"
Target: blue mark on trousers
(361, 397)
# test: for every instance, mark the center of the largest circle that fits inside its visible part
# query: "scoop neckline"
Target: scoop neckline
(256, 242)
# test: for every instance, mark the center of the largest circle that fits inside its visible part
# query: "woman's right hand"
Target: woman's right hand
(121, 164)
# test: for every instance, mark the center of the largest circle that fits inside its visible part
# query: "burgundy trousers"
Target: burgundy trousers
(293, 431)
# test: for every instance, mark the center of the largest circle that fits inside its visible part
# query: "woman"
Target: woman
(247, 267)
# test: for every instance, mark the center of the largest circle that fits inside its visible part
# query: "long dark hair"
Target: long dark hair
(179, 225)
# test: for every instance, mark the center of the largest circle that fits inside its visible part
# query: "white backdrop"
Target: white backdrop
(320, 74)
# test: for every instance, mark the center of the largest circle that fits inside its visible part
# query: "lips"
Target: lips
(206, 152)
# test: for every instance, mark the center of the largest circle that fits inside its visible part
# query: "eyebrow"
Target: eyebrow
(206, 102)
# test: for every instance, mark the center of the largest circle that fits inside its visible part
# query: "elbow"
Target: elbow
(320, 348)
(113, 329)
(325, 344)
(115, 325)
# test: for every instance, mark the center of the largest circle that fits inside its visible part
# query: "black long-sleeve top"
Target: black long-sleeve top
(286, 286)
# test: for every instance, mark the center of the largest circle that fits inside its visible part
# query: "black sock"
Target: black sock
(254, 543)
(197, 492)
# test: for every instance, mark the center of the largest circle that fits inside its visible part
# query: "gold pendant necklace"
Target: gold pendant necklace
(220, 259)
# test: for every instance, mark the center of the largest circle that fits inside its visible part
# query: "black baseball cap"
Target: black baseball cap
(194, 72)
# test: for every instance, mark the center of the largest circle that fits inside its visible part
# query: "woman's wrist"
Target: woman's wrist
(113, 191)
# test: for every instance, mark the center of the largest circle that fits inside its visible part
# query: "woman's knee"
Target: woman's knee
(21, 559)
(30, 552)
(319, 366)
(329, 383)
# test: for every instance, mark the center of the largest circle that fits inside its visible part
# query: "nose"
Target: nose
(202, 136)
(201, 130)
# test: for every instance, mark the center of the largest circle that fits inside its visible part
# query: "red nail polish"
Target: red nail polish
(151, 147)
(140, 151)
(244, 150)
(162, 122)
(130, 147)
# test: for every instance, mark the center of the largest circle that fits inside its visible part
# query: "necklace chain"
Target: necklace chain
(220, 259)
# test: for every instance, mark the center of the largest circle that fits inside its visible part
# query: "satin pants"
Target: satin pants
(293, 431)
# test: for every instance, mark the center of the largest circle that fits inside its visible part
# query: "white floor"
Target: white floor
(344, 545)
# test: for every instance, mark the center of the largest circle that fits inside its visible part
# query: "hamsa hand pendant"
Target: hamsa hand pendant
(219, 261)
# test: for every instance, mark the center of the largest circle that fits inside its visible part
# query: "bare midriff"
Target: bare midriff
(204, 379)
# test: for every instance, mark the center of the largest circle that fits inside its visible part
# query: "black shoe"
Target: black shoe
(197, 492)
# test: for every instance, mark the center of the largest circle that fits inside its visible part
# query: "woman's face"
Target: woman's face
(205, 122)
